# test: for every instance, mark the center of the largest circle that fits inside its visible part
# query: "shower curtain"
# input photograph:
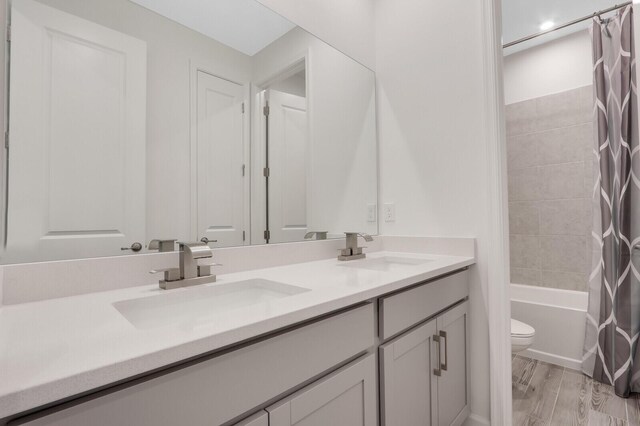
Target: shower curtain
(611, 352)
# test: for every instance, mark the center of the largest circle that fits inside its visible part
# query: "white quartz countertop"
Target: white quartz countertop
(57, 348)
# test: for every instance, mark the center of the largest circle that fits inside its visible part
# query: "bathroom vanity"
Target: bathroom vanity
(378, 340)
(138, 123)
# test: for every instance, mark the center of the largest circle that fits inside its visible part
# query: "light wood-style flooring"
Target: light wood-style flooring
(546, 394)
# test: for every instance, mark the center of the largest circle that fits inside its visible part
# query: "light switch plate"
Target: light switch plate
(371, 212)
(389, 212)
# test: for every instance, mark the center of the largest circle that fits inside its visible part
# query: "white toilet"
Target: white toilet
(522, 336)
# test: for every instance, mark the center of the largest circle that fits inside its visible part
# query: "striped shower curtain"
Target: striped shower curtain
(611, 352)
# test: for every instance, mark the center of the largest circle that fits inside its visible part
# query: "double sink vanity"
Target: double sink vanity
(137, 120)
(378, 340)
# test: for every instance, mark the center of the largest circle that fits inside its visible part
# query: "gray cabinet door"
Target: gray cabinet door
(346, 398)
(453, 389)
(408, 384)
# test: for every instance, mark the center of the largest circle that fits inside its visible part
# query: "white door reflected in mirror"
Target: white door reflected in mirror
(77, 126)
(288, 148)
(220, 160)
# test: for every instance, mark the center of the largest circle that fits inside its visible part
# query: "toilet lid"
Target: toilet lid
(521, 329)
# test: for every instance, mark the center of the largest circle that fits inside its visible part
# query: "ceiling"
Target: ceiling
(521, 18)
(244, 25)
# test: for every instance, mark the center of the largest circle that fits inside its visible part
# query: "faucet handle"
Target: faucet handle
(157, 271)
(204, 269)
(170, 274)
(162, 245)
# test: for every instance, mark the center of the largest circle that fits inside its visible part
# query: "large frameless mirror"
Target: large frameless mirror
(131, 120)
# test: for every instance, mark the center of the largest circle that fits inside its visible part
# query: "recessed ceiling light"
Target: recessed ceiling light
(546, 25)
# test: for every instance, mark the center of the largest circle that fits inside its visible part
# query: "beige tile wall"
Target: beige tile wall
(550, 170)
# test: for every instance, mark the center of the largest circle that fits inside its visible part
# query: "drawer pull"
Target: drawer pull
(443, 335)
(438, 371)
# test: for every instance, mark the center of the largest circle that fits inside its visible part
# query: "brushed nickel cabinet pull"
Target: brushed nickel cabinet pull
(437, 371)
(443, 335)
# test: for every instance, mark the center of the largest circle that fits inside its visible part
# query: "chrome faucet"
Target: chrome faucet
(320, 235)
(352, 251)
(190, 272)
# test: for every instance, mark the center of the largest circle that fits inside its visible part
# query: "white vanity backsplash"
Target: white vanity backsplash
(29, 282)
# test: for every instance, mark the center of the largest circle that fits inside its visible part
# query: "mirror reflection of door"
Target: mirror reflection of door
(288, 147)
(77, 136)
(124, 123)
(220, 166)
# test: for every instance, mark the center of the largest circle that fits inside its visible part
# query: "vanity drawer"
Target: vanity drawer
(220, 389)
(402, 310)
(258, 419)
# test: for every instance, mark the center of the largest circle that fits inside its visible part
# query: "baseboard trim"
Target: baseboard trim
(574, 364)
(476, 420)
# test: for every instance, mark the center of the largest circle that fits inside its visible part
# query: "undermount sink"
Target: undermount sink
(385, 263)
(193, 305)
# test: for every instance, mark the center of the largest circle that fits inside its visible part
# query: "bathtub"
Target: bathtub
(559, 319)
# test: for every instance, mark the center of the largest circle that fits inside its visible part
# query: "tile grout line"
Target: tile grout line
(550, 235)
(537, 166)
(550, 199)
(550, 129)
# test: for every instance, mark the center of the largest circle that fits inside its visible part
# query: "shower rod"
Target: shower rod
(568, 24)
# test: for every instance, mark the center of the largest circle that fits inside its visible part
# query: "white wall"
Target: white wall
(170, 47)
(553, 67)
(346, 25)
(3, 125)
(343, 167)
(432, 153)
